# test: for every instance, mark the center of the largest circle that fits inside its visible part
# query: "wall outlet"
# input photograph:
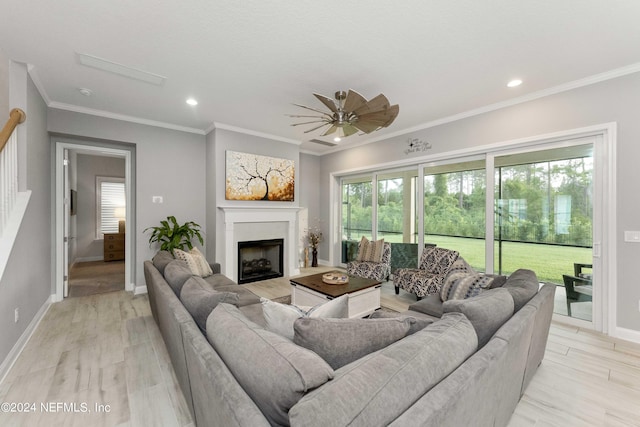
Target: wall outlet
(17, 315)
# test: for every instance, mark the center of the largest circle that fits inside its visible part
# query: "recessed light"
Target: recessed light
(337, 139)
(85, 91)
(514, 83)
(192, 101)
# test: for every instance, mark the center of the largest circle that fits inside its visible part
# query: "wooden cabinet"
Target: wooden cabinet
(113, 246)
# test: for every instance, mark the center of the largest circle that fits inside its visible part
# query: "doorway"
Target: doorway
(98, 211)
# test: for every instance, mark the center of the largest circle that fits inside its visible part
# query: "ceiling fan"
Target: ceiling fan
(350, 113)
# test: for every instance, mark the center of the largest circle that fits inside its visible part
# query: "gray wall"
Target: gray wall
(218, 142)
(27, 281)
(4, 88)
(169, 163)
(89, 167)
(614, 100)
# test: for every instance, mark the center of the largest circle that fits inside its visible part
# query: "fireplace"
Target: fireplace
(260, 260)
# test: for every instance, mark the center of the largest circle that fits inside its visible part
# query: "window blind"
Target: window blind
(112, 197)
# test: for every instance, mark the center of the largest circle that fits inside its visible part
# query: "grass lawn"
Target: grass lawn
(549, 262)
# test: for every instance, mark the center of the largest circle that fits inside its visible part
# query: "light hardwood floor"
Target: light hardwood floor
(106, 350)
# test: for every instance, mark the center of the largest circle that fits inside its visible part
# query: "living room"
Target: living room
(187, 169)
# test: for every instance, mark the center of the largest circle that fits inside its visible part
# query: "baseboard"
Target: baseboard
(627, 334)
(139, 290)
(11, 358)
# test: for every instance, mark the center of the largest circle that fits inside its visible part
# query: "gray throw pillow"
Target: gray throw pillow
(487, 312)
(523, 285)
(431, 305)
(161, 259)
(341, 341)
(176, 273)
(200, 299)
(273, 371)
(417, 323)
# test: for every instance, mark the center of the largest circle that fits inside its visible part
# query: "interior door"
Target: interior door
(65, 226)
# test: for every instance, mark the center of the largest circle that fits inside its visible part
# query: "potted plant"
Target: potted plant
(170, 235)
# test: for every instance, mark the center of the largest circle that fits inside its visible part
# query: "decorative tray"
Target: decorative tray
(335, 278)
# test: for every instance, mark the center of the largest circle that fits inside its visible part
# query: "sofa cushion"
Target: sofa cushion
(176, 273)
(199, 298)
(281, 317)
(341, 341)
(487, 312)
(523, 285)
(431, 305)
(218, 280)
(161, 259)
(273, 371)
(370, 251)
(463, 285)
(417, 322)
(245, 296)
(373, 390)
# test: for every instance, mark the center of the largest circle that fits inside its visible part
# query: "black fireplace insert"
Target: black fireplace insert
(260, 260)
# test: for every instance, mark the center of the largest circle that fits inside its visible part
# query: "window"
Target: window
(110, 204)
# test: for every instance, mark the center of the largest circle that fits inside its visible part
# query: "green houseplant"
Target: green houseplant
(170, 235)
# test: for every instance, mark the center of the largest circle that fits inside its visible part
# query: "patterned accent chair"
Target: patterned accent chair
(435, 264)
(373, 270)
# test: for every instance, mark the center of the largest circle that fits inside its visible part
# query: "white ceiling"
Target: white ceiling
(247, 61)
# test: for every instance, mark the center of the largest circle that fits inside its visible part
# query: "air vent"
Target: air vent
(328, 144)
(123, 70)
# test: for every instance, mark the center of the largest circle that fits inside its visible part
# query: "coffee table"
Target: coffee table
(364, 294)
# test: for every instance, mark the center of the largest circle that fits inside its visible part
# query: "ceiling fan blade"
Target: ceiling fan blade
(332, 129)
(317, 127)
(349, 130)
(394, 109)
(378, 103)
(353, 101)
(366, 127)
(302, 115)
(307, 123)
(327, 101)
(314, 109)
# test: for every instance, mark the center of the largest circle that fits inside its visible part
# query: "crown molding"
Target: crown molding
(587, 81)
(217, 125)
(123, 117)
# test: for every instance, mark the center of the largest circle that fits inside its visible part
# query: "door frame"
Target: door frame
(59, 203)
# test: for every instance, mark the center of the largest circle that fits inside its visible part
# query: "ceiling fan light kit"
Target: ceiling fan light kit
(349, 113)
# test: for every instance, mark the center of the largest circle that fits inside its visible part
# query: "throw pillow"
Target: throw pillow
(161, 259)
(370, 251)
(201, 261)
(523, 285)
(487, 312)
(272, 370)
(200, 299)
(463, 285)
(176, 273)
(341, 341)
(281, 317)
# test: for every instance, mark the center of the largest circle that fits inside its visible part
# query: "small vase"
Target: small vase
(314, 259)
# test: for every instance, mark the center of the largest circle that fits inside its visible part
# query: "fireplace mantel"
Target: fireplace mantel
(234, 215)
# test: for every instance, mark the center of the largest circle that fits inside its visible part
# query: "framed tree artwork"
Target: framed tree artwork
(255, 177)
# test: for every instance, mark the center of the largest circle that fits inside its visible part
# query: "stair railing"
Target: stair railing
(9, 165)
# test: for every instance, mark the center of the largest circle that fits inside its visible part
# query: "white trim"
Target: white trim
(626, 334)
(123, 117)
(58, 206)
(139, 290)
(597, 78)
(17, 348)
(223, 126)
(12, 227)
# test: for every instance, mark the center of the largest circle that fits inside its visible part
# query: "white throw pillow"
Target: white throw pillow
(203, 264)
(281, 317)
(196, 262)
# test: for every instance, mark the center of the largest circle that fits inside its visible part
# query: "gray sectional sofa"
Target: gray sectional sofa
(469, 366)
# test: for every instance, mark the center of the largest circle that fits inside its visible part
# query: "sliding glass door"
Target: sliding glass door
(544, 221)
